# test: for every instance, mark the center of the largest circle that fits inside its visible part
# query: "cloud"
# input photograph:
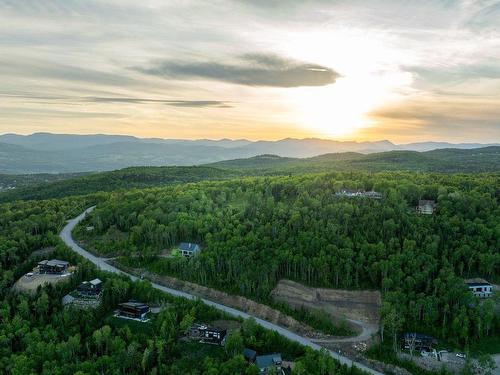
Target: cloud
(98, 99)
(252, 70)
(175, 103)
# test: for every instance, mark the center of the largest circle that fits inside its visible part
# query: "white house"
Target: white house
(426, 207)
(481, 289)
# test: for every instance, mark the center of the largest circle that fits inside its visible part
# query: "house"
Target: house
(373, 194)
(133, 310)
(92, 288)
(417, 341)
(54, 266)
(249, 355)
(188, 249)
(426, 207)
(207, 335)
(480, 288)
(269, 364)
(359, 193)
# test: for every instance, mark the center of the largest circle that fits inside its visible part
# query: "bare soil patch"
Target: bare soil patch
(359, 305)
(29, 284)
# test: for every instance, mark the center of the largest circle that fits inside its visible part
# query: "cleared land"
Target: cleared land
(361, 305)
(29, 284)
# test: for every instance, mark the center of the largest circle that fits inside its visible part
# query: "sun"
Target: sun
(370, 76)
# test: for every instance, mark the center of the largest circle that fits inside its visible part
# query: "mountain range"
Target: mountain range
(68, 153)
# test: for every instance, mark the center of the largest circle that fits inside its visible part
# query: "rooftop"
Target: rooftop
(263, 361)
(189, 246)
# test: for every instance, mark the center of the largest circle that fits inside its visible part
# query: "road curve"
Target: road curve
(101, 264)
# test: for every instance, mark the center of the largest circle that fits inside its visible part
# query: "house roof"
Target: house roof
(133, 304)
(418, 336)
(54, 262)
(249, 353)
(95, 282)
(425, 202)
(189, 246)
(264, 361)
(478, 284)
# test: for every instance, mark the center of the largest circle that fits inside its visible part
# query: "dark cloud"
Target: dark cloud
(175, 103)
(252, 70)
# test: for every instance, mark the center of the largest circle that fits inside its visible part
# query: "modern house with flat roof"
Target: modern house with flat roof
(426, 207)
(92, 288)
(133, 310)
(481, 289)
(53, 266)
(417, 341)
(269, 364)
(189, 249)
(207, 335)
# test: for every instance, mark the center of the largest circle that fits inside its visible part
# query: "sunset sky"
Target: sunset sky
(350, 70)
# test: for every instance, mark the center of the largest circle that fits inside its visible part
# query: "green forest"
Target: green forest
(256, 231)
(39, 336)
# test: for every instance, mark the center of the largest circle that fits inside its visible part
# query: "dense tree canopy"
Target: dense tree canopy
(39, 336)
(256, 231)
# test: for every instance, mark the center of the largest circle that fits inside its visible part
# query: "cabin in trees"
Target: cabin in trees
(269, 364)
(207, 335)
(54, 266)
(417, 341)
(426, 207)
(188, 249)
(480, 288)
(133, 310)
(92, 288)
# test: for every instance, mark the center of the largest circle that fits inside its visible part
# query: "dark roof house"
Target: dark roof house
(53, 266)
(90, 288)
(269, 364)
(249, 354)
(133, 310)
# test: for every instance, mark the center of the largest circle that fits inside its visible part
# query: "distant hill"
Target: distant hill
(69, 153)
(485, 159)
(128, 178)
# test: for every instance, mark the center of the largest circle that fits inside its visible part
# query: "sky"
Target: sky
(403, 70)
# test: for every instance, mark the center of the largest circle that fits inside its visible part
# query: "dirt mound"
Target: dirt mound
(238, 302)
(360, 305)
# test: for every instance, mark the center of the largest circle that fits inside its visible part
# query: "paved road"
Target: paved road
(101, 263)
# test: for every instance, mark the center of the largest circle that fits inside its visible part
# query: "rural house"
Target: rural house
(480, 288)
(133, 310)
(426, 207)
(269, 364)
(249, 355)
(92, 288)
(417, 341)
(188, 249)
(207, 335)
(54, 266)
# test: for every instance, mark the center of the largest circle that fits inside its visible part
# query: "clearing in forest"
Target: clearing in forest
(352, 305)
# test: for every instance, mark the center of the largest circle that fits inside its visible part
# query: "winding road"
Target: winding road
(103, 265)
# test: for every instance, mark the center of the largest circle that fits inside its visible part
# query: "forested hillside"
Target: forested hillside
(134, 177)
(445, 161)
(256, 231)
(39, 336)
